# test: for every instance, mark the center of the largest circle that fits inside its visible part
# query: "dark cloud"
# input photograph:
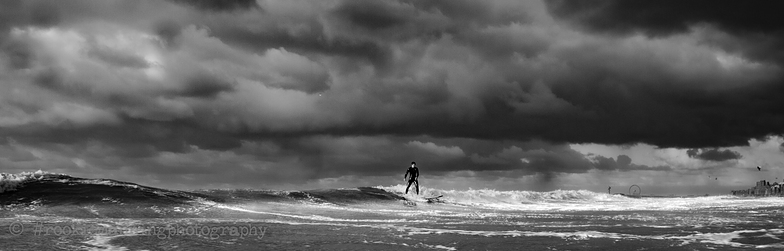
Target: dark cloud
(204, 86)
(10, 151)
(385, 20)
(17, 12)
(118, 58)
(136, 134)
(303, 91)
(713, 154)
(762, 33)
(670, 16)
(552, 159)
(45, 15)
(18, 54)
(472, 13)
(220, 5)
(312, 41)
(624, 163)
(373, 15)
(48, 78)
(168, 31)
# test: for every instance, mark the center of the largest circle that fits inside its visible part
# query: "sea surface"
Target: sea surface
(45, 211)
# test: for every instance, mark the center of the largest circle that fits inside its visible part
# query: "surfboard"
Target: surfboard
(434, 199)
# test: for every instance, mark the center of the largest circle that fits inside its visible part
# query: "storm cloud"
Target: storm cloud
(714, 154)
(232, 93)
(668, 16)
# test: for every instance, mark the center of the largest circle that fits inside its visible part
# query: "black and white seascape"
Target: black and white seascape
(391, 125)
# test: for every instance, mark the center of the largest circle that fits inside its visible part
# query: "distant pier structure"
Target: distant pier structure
(763, 188)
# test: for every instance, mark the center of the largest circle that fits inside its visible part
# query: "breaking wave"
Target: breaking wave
(490, 196)
(9, 182)
(60, 194)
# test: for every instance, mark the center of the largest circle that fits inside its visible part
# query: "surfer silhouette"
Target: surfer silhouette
(608, 190)
(413, 178)
(759, 168)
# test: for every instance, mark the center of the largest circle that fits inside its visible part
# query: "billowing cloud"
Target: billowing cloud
(713, 154)
(626, 16)
(443, 151)
(10, 151)
(341, 89)
(220, 5)
(624, 163)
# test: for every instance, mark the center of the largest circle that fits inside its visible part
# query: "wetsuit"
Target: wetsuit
(413, 178)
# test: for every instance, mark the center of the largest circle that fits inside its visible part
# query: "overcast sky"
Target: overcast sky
(526, 95)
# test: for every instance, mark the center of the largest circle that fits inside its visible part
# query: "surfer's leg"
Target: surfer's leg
(417, 186)
(409, 185)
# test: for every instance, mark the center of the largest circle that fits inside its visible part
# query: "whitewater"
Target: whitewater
(47, 211)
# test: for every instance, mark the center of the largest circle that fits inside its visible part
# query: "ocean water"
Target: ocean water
(44, 211)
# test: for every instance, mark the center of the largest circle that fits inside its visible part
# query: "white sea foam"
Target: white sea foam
(313, 217)
(730, 237)
(101, 242)
(581, 200)
(418, 245)
(105, 183)
(10, 182)
(112, 200)
(719, 238)
(93, 210)
(409, 230)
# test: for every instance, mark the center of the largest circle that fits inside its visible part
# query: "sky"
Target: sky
(677, 98)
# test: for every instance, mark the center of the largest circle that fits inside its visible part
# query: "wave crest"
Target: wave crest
(491, 196)
(10, 182)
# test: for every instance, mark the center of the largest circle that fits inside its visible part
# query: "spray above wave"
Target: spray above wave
(10, 182)
(490, 196)
(580, 200)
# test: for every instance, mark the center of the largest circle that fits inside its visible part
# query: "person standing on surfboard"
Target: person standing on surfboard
(413, 178)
